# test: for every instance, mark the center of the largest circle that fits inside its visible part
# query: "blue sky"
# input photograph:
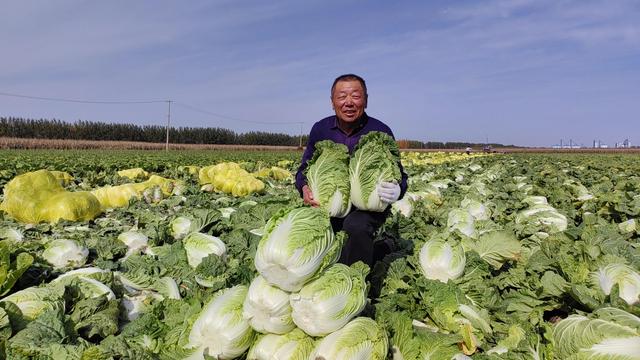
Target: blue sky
(516, 72)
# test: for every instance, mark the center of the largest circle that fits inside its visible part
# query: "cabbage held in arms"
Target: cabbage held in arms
(328, 177)
(295, 246)
(374, 161)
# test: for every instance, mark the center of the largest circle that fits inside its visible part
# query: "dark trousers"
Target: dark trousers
(361, 227)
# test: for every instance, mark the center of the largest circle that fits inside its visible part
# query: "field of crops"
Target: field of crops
(518, 256)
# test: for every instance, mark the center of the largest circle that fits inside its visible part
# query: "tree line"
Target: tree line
(15, 127)
(89, 130)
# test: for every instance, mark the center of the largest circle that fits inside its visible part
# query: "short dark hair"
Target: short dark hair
(349, 77)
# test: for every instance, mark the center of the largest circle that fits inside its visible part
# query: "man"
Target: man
(350, 122)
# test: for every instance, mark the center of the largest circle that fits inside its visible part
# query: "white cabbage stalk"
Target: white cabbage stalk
(362, 338)
(226, 212)
(542, 215)
(33, 301)
(267, 308)
(199, 246)
(441, 261)
(13, 235)
(91, 288)
(70, 275)
(180, 227)
(440, 184)
(220, 329)
(327, 303)
(404, 206)
(167, 287)
(479, 319)
(463, 221)
(137, 305)
(628, 226)
(608, 333)
(627, 279)
(535, 200)
(294, 345)
(135, 241)
(296, 245)
(478, 210)
(64, 253)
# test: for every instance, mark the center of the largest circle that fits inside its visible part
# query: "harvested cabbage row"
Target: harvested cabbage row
(274, 172)
(153, 190)
(38, 196)
(229, 178)
(133, 174)
(328, 177)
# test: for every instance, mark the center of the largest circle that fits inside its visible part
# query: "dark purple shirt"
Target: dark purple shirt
(327, 129)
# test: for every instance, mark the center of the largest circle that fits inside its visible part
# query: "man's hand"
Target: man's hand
(307, 196)
(389, 192)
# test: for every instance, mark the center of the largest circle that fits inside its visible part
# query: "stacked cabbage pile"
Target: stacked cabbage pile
(301, 293)
(230, 178)
(40, 196)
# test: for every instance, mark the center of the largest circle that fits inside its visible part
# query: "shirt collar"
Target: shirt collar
(364, 119)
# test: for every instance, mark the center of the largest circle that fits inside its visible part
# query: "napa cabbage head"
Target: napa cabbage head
(375, 160)
(442, 260)
(328, 177)
(361, 338)
(63, 253)
(200, 245)
(220, 330)
(327, 303)
(297, 244)
(294, 345)
(267, 308)
(609, 333)
(34, 301)
(627, 279)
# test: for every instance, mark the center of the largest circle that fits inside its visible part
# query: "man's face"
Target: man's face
(349, 100)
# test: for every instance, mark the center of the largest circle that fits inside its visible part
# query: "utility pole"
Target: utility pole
(166, 148)
(300, 146)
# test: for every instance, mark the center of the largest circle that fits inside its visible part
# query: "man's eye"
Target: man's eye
(341, 97)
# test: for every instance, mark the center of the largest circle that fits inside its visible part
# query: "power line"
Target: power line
(83, 101)
(236, 119)
(150, 102)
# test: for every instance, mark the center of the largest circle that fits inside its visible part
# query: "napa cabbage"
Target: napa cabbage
(442, 260)
(609, 333)
(294, 345)
(375, 160)
(327, 303)
(267, 308)
(627, 279)
(220, 330)
(361, 338)
(63, 253)
(328, 177)
(199, 245)
(296, 245)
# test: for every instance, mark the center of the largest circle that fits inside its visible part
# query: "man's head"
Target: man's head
(349, 97)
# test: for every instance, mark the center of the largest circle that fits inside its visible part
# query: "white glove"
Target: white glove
(389, 192)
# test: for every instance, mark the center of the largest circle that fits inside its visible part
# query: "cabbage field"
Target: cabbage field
(212, 255)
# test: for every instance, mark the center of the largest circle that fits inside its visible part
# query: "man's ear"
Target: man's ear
(366, 100)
